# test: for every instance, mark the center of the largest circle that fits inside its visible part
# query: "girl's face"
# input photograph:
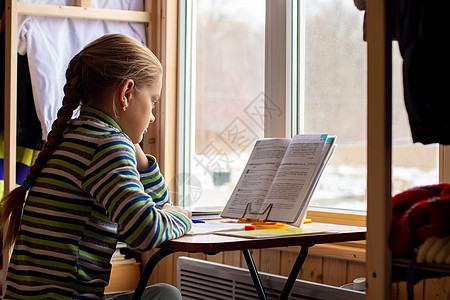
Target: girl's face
(139, 111)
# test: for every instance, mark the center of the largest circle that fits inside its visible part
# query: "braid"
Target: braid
(71, 100)
(12, 204)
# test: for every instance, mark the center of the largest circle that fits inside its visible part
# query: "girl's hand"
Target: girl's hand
(186, 212)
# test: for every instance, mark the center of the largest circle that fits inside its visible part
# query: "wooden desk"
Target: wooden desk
(214, 243)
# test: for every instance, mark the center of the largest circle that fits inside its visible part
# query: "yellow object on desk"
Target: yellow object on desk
(270, 225)
(271, 232)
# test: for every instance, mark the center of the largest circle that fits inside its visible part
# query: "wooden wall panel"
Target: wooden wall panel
(232, 258)
(270, 261)
(433, 288)
(355, 270)
(334, 271)
(287, 259)
(197, 255)
(312, 269)
(437, 288)
(218, 258)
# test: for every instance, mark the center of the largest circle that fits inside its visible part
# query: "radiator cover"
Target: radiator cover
(199, 279)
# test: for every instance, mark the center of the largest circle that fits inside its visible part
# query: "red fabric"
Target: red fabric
(418, 214)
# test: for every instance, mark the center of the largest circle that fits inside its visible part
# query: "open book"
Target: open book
(279, 179)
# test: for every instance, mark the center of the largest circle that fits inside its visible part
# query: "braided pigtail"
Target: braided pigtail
(12, 204)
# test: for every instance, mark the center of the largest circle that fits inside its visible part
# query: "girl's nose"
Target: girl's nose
(152, 118)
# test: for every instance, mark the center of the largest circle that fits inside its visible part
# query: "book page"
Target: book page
(256, 179)
(295, 176)
(325, 156)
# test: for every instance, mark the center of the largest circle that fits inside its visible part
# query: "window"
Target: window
(242, 80)
(223, 87)
(334, 100)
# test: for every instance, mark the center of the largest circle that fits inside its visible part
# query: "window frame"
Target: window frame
(184, 89)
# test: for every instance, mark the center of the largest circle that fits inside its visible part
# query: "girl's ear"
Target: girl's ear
(125, 90)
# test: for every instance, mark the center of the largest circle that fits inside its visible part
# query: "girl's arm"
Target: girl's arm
(178, 209)
(153, 181)
(113, 180)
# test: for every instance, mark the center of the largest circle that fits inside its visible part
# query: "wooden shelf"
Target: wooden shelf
(62, 11)
(421, 271)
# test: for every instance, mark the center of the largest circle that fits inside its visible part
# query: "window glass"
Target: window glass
(335, 102)
(226, 102)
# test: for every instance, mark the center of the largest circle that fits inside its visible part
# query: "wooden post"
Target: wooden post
(379, 123)
(162, 39)
(151, 139)
(10, 113)
(444, 163)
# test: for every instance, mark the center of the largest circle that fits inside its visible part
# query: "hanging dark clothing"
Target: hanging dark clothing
(420, 30)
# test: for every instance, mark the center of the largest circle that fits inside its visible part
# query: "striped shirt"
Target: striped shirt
(88, 194)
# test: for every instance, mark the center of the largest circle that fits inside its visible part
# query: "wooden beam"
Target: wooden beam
(168, 113)
(151, 139)
(61, 11)
(162, 39)
(275, 65)
(10, 116)
(326, 216)
(379, 124)
(444, 163)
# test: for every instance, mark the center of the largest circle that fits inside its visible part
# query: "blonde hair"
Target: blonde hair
(101, 66)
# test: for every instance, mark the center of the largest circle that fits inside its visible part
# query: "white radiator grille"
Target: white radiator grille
(199, 279)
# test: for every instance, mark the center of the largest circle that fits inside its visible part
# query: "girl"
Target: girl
(92, 183)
